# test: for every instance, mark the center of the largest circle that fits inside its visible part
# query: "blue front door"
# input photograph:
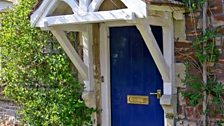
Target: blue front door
(134, 72)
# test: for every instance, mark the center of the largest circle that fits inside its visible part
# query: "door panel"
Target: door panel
(133, 72)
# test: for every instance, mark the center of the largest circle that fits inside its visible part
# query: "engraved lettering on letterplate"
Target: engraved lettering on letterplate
(137, 99)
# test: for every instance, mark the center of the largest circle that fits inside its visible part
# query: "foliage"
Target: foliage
(193, 80)
(38, 80)
(206, 56)
(193, 5)
(195, 86)
(206, 42)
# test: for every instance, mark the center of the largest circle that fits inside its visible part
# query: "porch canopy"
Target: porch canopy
(82, 12)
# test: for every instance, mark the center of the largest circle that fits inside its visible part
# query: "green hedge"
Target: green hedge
(40, 82)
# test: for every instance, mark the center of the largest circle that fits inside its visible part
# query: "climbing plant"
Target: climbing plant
(38, 78)
(193, 5)
(203, 88)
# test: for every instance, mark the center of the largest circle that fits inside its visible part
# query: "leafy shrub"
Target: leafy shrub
(40, 81)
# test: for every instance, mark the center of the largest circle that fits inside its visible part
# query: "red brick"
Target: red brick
(198, 111)
(183, 51)
(219, 17)
(215, 7)
(221, 60)
(189, 112)
(214, 2)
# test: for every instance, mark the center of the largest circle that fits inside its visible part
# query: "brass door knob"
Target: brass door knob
(158, 94)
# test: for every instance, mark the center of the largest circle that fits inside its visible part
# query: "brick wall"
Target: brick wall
(191, 116)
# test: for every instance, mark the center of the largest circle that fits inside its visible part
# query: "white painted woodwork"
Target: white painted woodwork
(37, 18)
(95, 5)
(145, 30)
(169, 45)
(46, 8)
(4, 5)
(70, 51)
(86, 12)
(169, 99)
(83, 6)
(105, 72)
(87, 39)
(137, 6)
(105, 64)
(123, 14)
(168, 88)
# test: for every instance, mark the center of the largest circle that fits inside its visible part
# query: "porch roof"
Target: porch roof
(174, 2)
(160, 2)
(87, 11)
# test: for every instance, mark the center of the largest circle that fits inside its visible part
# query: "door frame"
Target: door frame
(166, 22)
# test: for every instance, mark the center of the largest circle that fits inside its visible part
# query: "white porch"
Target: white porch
(92, 19)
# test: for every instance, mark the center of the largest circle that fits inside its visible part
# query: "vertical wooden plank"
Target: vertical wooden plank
(105, 72)
(86, 38)
(97, 74)
(83, 6)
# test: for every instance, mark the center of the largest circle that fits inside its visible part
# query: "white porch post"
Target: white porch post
(169, 99)
(86, 38)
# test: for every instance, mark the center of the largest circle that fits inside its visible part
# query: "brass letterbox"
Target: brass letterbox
(138, 99)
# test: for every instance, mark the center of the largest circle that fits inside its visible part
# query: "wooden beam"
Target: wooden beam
(95, 5)
(73, 4)
(144, 28)
(46, 7)
(91, 17)
(83, 6)
(139, 7)
(70, 51)
(87, 40)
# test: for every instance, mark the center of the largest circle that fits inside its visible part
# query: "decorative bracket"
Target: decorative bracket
(70, 51)
(144, 28)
